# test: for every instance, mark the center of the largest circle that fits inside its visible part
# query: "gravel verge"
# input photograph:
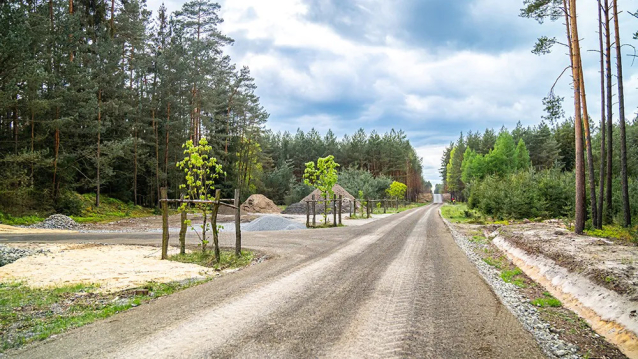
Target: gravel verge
(516, 302)
(9, 255)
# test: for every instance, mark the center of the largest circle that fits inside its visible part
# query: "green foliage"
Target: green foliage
(529, 194)
(396, 190)
(354, 180)
(278, 183)
(459, 213)
(323, 177)
(615, 232)
(521, 157)
(19, 221)
(546, 301)
(298, 191)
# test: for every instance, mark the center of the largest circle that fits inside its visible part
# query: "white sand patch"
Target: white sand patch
(113, 267)
(5, 229)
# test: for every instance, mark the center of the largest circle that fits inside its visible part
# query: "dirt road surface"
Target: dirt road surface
(397, 287)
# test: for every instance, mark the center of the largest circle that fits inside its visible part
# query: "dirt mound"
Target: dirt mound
(229, 211)
(337, 189)
(258, 203)
(300, 208)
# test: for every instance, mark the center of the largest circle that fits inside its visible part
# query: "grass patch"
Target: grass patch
(459, 213)
(546, 301)
(513, 276)
(615, 232)
(29, 314)
(228, 259)
(498, 262)
(19, 221)
(110, 209)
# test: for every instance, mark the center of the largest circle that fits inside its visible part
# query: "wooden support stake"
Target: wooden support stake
(385, 206)
(182, 233)
(314, 211)
(307, 214)
(164, 194)
(340, 207)
(237, 224)
(368, 207)
(214, 223)
(351, 205)
(334, 210)
(397, 205)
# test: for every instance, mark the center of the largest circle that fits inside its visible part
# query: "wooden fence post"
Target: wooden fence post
(334, 210)
(307, 214)
(385, 206)
(368, 207)
(214, 223)
(182, 229)
(314, 211)
(351, 205)
(237, 224)
(164, 195)
(397, 205)
(340, 207)
(361, 206)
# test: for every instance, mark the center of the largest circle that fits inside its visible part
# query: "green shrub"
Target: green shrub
(70, 204)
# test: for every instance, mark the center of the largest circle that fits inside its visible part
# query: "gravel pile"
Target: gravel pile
(57, 221)
(272, 223)
(9, 255)
(509, 295)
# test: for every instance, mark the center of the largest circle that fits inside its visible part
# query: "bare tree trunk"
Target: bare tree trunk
(32, 141)
(580, 210)
(56, 151)
(168, 116)
(610, 113)
(621, 115)
(601, 197)
(590, 156)
(155, 128)
(99, 124)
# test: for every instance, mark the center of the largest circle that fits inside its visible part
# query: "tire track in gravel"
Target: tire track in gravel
(457, 315)
(212, 328)
(383, 322)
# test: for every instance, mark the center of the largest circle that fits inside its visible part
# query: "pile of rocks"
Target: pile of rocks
(57, 221)
(9, 254)
(272, 223)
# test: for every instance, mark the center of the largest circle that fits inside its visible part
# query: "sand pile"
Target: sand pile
(300, 208)
(258, 203)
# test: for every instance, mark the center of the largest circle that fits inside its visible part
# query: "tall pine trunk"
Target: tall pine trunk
(99, 127)
(580, 209)
(621, 116)
(590, 156)
(610, 113)
(601, 180)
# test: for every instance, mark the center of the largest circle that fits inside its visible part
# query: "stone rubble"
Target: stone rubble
(57, 221)
(9, 255)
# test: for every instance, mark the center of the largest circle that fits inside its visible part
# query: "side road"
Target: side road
(393, 288)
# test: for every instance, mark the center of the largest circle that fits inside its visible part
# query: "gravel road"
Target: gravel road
(397, 287)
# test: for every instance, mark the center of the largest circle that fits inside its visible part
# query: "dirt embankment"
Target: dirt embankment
(595, 277)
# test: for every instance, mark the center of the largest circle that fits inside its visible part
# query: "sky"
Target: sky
(433, 68)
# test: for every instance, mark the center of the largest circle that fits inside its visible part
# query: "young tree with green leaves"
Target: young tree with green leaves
(201, 170)
(323, 177)
(397, 190)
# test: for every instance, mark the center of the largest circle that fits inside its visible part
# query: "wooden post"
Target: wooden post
(334, 210)
(182, 233)
(368, 207)
(314, 211)
(237, 224)
(351, 205)
(361, 206)
(214, 223)
(340, 207)
(307, 214)
(164, 194)
(385, 206)
(397, 205)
